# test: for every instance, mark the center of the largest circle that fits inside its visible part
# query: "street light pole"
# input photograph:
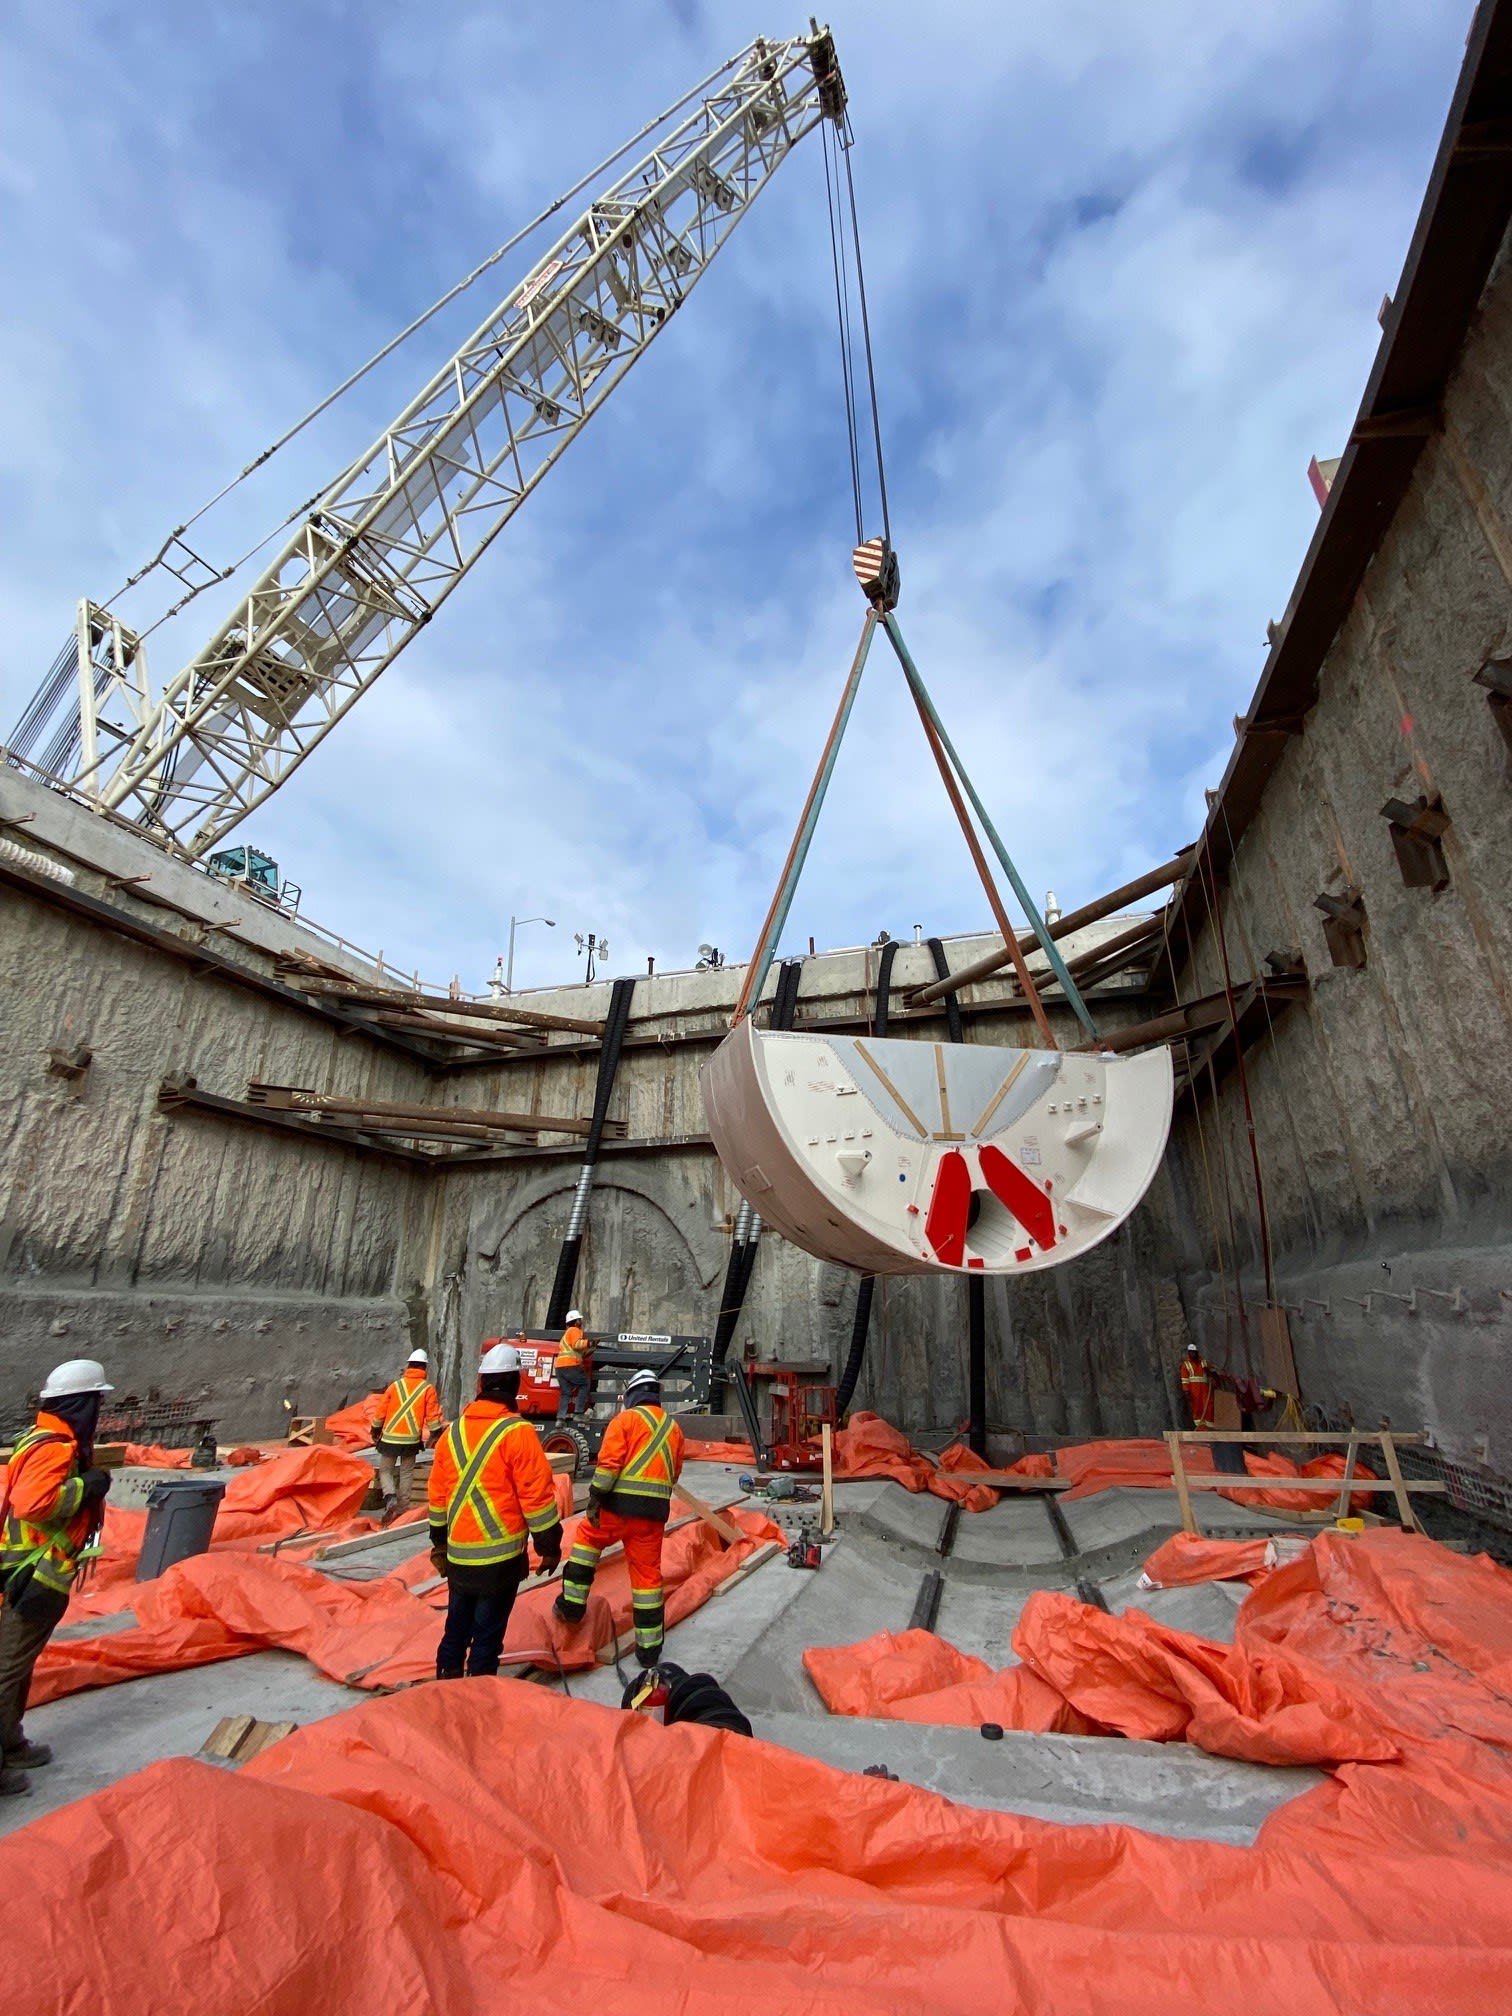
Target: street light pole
(514, 924)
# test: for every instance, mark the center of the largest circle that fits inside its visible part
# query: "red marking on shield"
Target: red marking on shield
(1024, 1199)
(945, 1227)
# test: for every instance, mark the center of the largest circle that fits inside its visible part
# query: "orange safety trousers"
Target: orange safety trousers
(642, 1540)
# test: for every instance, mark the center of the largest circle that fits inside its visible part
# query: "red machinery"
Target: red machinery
(798, 1414)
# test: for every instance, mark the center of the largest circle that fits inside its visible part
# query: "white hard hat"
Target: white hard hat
(499, 1358)
(77, 1375)
(574, 1315)
(637, 1380)
(417, 1358)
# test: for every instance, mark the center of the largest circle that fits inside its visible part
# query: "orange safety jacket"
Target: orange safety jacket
(409, 1411)
(573, 1348)
(640, 1459)
(46, 1524)
(490, 1485)
(1197, 1389)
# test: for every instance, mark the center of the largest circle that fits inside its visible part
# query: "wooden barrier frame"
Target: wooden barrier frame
(1353, 1439)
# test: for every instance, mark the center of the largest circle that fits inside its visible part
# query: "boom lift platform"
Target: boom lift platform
(684, 1364)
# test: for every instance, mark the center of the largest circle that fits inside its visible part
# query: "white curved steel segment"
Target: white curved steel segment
(904, 1157)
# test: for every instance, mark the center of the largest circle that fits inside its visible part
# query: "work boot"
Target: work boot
(14, 1781)
(24, 1756)
(651, 1657)
(390, 1511)
(448, 1672)
(568, 1617)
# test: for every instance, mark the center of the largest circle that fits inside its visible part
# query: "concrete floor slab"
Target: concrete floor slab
(1115, 1518)
(102, 1734)
(1015, 1533)
(1207, 1609)
(979, 1619)
(1164, 1788)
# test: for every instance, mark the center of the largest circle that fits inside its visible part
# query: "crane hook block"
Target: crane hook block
(877, 570)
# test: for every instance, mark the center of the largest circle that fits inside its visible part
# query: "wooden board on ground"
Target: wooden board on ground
(759, 1559)
(1226, 1414)
(237, 1739)
(308, 1430)
(727, 1530)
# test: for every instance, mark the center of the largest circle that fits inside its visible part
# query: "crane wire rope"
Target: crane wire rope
(844, 218)
(378, 357)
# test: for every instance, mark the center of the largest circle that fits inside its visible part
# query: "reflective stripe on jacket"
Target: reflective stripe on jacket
(640, 1460)
(410, 1410)
(573, 1348)
(490, 1485)
(46, 1525)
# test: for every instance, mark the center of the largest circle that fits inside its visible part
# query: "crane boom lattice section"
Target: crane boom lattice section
(391, 539)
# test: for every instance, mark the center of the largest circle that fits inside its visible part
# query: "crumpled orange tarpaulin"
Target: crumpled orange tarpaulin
(482, 1846)
(368, 1634)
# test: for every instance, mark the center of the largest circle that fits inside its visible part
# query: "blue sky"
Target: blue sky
(1124, 268)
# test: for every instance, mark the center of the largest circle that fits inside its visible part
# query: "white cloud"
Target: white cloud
(1123, 270)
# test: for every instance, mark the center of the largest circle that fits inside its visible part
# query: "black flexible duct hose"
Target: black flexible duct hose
(609, 1056)
(866, 1286)
(747, 1235)
(952, 1005)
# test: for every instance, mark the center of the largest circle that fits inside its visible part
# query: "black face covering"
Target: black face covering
(503, 1386)
(81, 1411)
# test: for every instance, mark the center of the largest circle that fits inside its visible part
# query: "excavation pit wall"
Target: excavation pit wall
(260, 1275)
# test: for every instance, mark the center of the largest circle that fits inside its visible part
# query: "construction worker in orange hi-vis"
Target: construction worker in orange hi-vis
(409, 1417)
(51, 1506)
(491, 1486)
(639, 1461)
(1197, 1387)
(569, 1369)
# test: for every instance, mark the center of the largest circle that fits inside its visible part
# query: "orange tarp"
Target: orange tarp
(482, 1846)
(1187, 1558)
(353, 1426)
(370, 1634)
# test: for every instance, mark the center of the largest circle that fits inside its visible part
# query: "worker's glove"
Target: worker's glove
(377, 1433)
(439, 1562)
(96, 1485)
(595, 1505)
(549, 1548)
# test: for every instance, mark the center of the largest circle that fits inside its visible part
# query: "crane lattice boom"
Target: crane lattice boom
(389, 541)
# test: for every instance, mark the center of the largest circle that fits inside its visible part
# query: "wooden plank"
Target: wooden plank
(1367, 1439)
(727, 1530)
(1410, 1521)
(759, 1559)
(227, 1736)
(262, 1737)
(1341, 1510)
(1331, 1484)
(1008, 1480)
(608, 1655)
(1179, 1478)
(1225, 1407)
(827, 1490)
(409, 1529)
(546, 1577)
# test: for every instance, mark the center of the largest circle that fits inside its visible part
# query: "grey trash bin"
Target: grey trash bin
(180, 1516)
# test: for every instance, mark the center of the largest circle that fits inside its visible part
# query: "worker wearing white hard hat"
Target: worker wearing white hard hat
(491, 1494)
(639, 1463)
(570, 1368)
(408, 1420)
(53, 1502)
